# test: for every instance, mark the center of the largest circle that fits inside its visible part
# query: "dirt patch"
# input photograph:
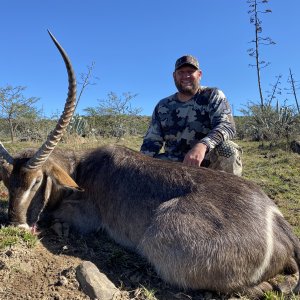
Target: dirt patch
(36, 274)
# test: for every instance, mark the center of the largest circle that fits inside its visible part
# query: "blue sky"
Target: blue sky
(135, 43)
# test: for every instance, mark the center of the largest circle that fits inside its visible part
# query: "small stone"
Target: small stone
(2, 265)
(94, 283)
(9, 253)
(62, 281)
(57, 297)
(68, 273)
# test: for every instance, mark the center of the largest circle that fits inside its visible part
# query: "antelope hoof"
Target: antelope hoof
(61, 229)
(258, 292)
(24, 226)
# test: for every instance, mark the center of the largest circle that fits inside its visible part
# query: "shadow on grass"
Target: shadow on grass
(3, 212)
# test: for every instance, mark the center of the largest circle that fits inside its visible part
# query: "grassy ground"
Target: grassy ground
(275, 170)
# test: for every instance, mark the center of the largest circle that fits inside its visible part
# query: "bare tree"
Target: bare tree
(294, 87)
(15, 107)
(86, 80)
(276, 90)
(255, 19)
(79, 124)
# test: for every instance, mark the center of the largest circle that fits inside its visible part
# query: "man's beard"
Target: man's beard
(187, 90)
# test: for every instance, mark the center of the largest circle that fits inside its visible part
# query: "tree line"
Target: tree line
(20, 120)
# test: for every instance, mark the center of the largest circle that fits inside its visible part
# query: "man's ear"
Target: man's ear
(200, 74)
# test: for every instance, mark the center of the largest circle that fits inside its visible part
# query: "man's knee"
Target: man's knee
(227, 156)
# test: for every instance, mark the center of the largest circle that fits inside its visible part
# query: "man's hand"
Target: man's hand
(195, 156)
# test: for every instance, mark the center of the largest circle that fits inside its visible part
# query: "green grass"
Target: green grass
(145, 293)
(279, 296)
(10, 236)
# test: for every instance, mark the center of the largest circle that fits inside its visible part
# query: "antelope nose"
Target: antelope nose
(20, 225)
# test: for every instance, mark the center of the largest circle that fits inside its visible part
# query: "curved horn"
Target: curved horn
(4, 155)
(54, 137)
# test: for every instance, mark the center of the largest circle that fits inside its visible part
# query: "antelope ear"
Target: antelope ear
(5, 171)
(62, 178)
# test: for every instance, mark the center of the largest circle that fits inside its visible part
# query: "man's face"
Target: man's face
(187, 80)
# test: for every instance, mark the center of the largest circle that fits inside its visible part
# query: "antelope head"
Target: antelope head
(29, 178)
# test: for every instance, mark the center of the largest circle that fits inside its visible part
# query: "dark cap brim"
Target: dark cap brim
(186, 64)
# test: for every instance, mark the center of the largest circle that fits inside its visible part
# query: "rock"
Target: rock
(8, 253)
(2, 265)
(62, 281)
(94, 283)
(26, 267)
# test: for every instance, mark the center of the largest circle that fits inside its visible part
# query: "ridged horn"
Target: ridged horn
(54, 137)
(4, 155)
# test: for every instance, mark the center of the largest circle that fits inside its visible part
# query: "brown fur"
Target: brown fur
(201, 229)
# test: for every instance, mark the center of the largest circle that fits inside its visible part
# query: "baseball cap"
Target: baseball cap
(186, 60)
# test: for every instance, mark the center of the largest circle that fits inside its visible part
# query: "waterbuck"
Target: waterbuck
(199, 228)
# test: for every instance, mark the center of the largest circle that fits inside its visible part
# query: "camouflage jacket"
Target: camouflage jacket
(178, 126)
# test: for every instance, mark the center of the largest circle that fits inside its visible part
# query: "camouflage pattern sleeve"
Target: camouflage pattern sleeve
(223, 126)
(153, 140)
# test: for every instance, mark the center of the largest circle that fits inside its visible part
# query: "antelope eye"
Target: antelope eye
(37, 182)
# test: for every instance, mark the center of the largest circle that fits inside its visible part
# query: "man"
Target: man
(194, 125)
